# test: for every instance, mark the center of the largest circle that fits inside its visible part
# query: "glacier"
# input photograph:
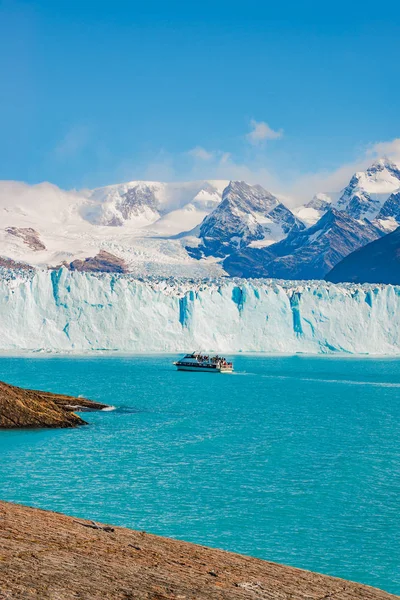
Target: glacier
(64, 311)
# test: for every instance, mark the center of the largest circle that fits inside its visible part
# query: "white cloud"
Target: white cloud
(225, 158)
(22, 202)
(261, 131)
(306, 185)
(294, 186)
(75, 140)
(200, 153)
(389, 149)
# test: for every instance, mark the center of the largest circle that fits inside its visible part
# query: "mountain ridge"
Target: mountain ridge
(311, 253)
(192, 229)
(246, 214)
(377, 262)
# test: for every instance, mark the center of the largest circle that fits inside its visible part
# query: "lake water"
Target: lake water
(291, 459)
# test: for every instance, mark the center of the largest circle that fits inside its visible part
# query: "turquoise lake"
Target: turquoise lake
(291, 459)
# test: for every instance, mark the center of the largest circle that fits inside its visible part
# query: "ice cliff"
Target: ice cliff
(71, 311)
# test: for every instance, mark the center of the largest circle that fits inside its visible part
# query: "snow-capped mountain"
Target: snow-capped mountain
(338, 224)
(142, 203)
(309, 254)
(195, 229)
(313, 210)
(388, 217)
(247, 215)
(363, 198)
(135, 222)
(367, 191)
(115, 205)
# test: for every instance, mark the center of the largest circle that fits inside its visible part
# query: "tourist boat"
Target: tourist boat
(202, 362)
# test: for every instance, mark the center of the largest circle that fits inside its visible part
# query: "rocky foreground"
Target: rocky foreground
(45, 555)
(21, 408)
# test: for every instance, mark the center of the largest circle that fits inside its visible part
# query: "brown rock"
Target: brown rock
(49, 556)
(29, 236)
(103, 262)
(9, 263)
(21, 408)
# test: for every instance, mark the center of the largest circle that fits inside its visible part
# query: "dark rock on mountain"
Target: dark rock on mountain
(114, 205)
(22, 409)
(252, 198)
(391, 208)
(9, 263)
(29, 236)
(49, 556)
(104, 262)
(377, 262)
(357, 203)
(233, 223)
(309, 254)
(320, 202)
(285, 218)
(135, 199)
(246, 214)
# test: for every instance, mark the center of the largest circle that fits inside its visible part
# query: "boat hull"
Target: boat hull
(203, 369)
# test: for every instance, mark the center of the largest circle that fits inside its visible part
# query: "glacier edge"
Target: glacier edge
(65, 311)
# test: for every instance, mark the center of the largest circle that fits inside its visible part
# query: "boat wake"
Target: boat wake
(340, 381)
(235, 373)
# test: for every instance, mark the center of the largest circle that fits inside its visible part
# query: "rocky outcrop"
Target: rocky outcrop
(104, 262)
(46, 556)
(136, 199)
(29, 236)
(23, 409)
(13, 265)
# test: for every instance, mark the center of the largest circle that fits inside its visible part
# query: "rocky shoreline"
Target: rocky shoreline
(48, 556)
(33, 409)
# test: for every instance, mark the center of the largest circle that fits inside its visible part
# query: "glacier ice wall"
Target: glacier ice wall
(64, 311)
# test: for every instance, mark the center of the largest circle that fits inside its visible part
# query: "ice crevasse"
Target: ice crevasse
(66, 311)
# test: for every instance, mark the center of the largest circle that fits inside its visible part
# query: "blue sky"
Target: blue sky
(296, 93)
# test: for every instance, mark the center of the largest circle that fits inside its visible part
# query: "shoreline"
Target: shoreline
(22, 408)
(48, 555)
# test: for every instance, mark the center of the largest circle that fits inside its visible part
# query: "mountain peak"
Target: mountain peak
(253, 197)
(368, 190)
(383, 163)
(382, 170)
(320, 201)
